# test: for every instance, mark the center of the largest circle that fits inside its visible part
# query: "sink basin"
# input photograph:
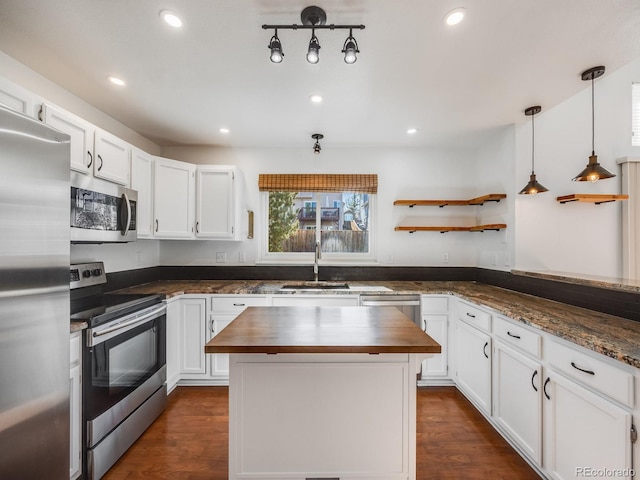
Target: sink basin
(316, 286)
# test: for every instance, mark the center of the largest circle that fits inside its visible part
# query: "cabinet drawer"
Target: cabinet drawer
(74, 348)
(474, 316)
(606, 378)
(518, 336)
(434, 304)
(236, 303)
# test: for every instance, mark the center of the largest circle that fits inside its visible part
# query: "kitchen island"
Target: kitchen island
(322, 392)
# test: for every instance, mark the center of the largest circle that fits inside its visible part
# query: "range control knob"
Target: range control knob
(86, 273)
(97, 272)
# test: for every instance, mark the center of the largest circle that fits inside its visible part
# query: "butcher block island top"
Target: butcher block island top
(273, 330)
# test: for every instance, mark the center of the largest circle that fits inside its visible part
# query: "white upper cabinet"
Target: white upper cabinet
(173, 198)
(142, 182)
(215, 202)
(16, 98)
(93, 151)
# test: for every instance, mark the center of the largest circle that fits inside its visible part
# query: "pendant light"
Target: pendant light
(533, 186)
(593, 171)
(317, 137)
(276, 48)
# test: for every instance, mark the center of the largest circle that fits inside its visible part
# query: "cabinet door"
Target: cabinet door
(81, 133)
(75, 399)
(436, 327)
(173, 343)
(173, 198)
(584, 433)
(193, 336)
(474, 365)
(517, 399)
(16, 98)
(215, 209)
(220, 361)
(142, 182)
(112, 158)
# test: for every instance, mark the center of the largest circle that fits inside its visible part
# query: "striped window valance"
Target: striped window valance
(320, 182)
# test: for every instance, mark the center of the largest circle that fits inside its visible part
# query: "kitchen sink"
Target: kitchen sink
(316, 286)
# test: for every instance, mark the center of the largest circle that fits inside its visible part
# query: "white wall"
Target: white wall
(411, 173)
(579, 238)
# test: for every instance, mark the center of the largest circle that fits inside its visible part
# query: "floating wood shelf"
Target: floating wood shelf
(591, 198)
(475, 228)
(492, 197)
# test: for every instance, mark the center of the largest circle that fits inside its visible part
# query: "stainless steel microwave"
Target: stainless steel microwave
(101, 212)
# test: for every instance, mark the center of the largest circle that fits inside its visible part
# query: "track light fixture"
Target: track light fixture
(593, 171)
(314, 18)
(317, 137)
(533, 186)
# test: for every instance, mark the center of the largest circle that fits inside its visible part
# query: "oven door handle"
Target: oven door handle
(130, 324)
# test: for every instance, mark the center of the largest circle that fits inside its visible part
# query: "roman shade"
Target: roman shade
(320, 182)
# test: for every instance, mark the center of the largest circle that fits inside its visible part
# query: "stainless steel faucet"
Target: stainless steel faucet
(318, 255)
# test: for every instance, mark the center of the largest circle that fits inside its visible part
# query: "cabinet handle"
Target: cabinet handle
(213, 326)
(425, 326)
(512, 335)
(535, 372)
(590, 372)
(197, 227)
(90, 159)
(238, 304)
(101, 163)
(484, 349)
(156, 224)
(470, 315)
(544, 388)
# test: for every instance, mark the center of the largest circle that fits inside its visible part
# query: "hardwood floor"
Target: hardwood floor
(189, 441)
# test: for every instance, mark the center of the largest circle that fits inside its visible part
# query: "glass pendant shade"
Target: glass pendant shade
(593, 171)
(533, 186)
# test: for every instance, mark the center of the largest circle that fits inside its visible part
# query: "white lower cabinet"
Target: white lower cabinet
(75, 406)
(435, 322)
(585, 435)
(517, 398)
(193, 336)
(173, 343)
(474, 365)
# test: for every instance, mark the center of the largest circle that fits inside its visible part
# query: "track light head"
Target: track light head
(317, 137)
(350, 49)
(276, 48)
(313, 54)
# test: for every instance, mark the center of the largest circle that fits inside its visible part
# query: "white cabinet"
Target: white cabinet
(224, 309)
(216, 202)
(174, 314)
(474, 365)
(173, 198)
(435, 321)
(75, 406)
(517, 398)
(16, 98)
(584, 432)
(142, 182)
(193, 336)
(93, 151)
(320, 300)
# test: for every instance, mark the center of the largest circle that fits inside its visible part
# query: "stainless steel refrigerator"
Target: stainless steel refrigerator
(34, 299)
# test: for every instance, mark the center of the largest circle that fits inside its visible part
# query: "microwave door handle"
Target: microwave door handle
(126, 211)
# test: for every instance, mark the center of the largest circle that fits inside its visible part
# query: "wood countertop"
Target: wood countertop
(322, 330)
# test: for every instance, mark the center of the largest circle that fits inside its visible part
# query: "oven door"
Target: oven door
(124, 364)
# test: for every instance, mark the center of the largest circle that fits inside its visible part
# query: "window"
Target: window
(339, 219)
(635, 114)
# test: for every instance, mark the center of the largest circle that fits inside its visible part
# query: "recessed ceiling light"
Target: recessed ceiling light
(455, 16)
(171, 18)
(116, 81)
(412, 131)
(316, 98)
(224, 130)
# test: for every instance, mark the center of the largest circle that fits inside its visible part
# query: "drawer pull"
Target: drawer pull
(535, 372)
(238, 304)
(544, 388)
(470, 315)
(513, 335)
(484, 349)
(590, 372)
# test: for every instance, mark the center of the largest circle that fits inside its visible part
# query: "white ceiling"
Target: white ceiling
(454, 84)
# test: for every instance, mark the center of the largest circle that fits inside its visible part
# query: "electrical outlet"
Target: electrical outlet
(445, 258)
(221, 257)
(494, 259)
(507, 259)
(242, 257)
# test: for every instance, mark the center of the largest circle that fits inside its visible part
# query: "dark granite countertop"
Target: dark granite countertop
(615, 337)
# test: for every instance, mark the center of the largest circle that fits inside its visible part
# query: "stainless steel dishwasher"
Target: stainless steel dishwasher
(407, 304)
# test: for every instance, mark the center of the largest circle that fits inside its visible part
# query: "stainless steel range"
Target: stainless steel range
(124, 365)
